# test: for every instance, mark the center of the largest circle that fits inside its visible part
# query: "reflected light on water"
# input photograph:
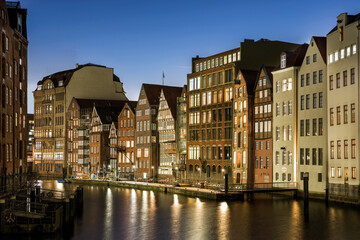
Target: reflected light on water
(176, 217)
(176, 200)
(108, 214)
(223, 220)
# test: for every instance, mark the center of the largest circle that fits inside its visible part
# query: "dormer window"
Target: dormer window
(283, 61)
(39, 87)
(61, 83)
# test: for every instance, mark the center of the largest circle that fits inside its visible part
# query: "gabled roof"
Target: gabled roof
(267, 72)
(250, 77)
(66, 75)
(350, 19)
(321, 45)
(108, 114)
(131, 105)
(294, 58)
(153, 91)
(171, 95)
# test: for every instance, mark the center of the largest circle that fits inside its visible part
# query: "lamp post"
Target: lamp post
(152, 171)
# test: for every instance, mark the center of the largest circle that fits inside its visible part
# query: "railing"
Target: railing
(263, 186)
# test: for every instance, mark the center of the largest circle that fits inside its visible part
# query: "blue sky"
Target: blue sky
(141, 39)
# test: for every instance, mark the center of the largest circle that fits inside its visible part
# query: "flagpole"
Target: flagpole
(163, 76)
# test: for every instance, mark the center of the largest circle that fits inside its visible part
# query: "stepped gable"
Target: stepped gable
(321, 44)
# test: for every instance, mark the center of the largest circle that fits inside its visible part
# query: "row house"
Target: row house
(243, 115)
(312, 117)
(166, 123)
(13, 101)
(101, 121)
(285, 79)
(210, 108)
(263, 114)
(79, 115)
(181, 135)
(342, 47)
(52, 98)
(122, 148)
(147, 138)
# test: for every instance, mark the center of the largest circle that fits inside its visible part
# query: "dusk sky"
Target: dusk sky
(141, 39)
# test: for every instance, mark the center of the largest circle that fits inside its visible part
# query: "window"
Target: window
(338, 115)
(302, 81)
(278, 86)
(320, 76)
(331, 116)
(320, 99)
(307, 127)
(302, 102)
(277, 133)
(353, 172)
(345, 114)
(314, 156)
(338, 80)
(339, 172)
(353, 112)
(289, 84)
(283, 61)
(290, 107)
(307, 59)
(332, 150)
(307, 156)
(314, 127)
(283, 158)
(319, 177)
(314, 100)
(331, 82)
(348, 51)
(284, 86)
(307, 79)
(332, 172)
(277, 109)
(345, 82)
(277, 156)
(315, 57)
(301, 127)
(354, 49)
(314, 77)
(284, 108)
(338, 149)
(336, 56)
(352, 73)
(331, 58)
(353, 148)
(346, 146)
(342, 53)
(307, 101)
(320, 156)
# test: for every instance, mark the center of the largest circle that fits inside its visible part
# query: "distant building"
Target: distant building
(181, 135)
(13, 101)
(125, 143)
(147, 138)
(342, 44)
(101, 121)
(52, 98)
(166, 123)
(263, 115)
(29, 148)
(312, 117)
(79, 116)
(285, 81)
(243, 146)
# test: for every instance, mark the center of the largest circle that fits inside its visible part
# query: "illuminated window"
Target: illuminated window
(345, 114)
(332, 150)
(346, 146)
(353, 172)
(332, 172)
(338, 115)
(339, 172)
(353, 148)
(331, 116)
(338, 149)
(353, 112)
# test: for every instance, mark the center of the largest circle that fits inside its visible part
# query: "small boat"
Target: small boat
(61, 181)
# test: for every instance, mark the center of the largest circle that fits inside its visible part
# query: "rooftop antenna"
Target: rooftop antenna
(163, 76)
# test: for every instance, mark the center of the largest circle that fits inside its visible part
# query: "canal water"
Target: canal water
(116, 213)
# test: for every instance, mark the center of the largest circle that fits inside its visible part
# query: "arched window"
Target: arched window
(219, 169)
(191, 168)
(214, 169)
(208, 170)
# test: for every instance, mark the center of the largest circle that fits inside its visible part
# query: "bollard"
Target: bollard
(306, 196)
(226, 181)
(72, 207)
(66, 211)
(2, 208)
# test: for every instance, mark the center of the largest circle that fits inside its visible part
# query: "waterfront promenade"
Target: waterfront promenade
(167, 188)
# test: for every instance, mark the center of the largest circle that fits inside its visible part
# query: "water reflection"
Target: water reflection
(114, 213)
(108, 221)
